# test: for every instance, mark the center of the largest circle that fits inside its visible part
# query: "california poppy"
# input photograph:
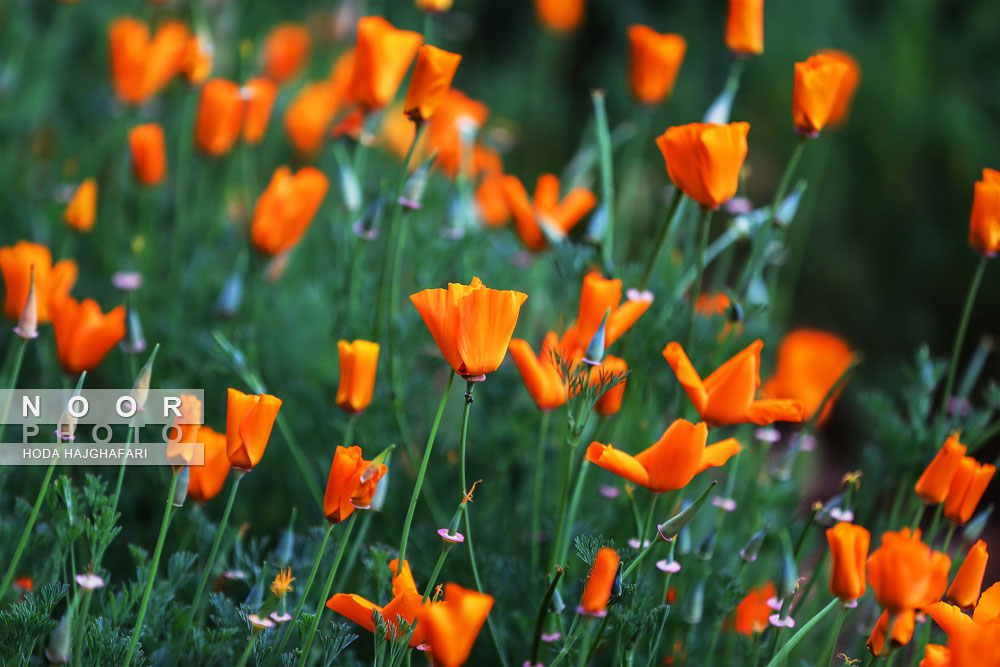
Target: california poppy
(206, 481)
(972, 642)
(597, 592)
(491, 201)
(848, 553)
(984, 223)
(52, 282)
(351, 484)
(454, 623)
(899, 571)
(309, 115)
(405, 603)
(198, 59)
(82, 208)
(704, 159)
(809, 363)
(358, 364)
(285, 51)
(599, 295)
(188, 426)
(220, 116)
(431, 80)
(540, 374)
(286, 208)
(149, 153)
(249, 420)
(471, 324)
(966, 489)
(818, 86)
(140, 66)
(753, 611)
(434, 6)
(560, 15)
(902, 631)
(260, 94)
(968, 582)
(545, 209)
(727, 396)
(382, 55)
(84, 335)
(933, 484)
(654, 61)
(848, 85)
(610, 401)
(451, 132)
(936, 655)
(745, 27)
(671, 462)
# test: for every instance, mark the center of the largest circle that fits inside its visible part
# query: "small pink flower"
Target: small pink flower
(283, 617)
(127, 281)
(670, 566)
(726, 504)
(632, 294)
(779, 622)
(448, 536)
(768, 434)
(258, 622)
(89, 581)
(549, 637)
(774, 603)
(609, 491)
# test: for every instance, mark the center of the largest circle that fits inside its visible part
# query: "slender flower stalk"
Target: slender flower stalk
(536, 496)
(607, 176)
(669, 221)
(308, 587)
(831, 642)
(706, 223)
(18, 345)
(803, 631)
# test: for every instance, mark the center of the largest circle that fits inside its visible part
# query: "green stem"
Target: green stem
(661, 237)
(543, 611)
(574, 502)
(932, 533)
(919, 515)
(304, 658)
(19, 346)
(956, 350)
(153, 566)
(536, 496)
(248, 650)
(831, 642)
(348, 438)
(26, 533)
(801, 633)
(948, 536)
(607, 175)
(121, 474)
(423, 469)
(308, 587)
(706, 223)
(445, 548)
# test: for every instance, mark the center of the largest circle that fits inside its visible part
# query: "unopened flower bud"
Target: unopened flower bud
(669, 529)
(597, 229)
(557, 605)
(59, 645)
(595, 351)
(27, 323)
(695, 603)
(707, 546)
(789, 206)
(974, 529)
(134, 342)
(366, 227)
(140, 389)
(181, 490)
(231, 295)
(789, 570)
(381, 492)
(752, 548)
(413, 191)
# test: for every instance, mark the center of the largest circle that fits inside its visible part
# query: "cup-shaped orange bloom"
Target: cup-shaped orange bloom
(753, 611)
(849, 552)
(285, 51)
(809, 363)
(966, 489)
(140, 66)
(382, 55)
(83, 333)
(207, 481)
(704, 159)
(968, 583)
(471, 324)
(598, 295)
(454, 623)
(220, 116)
(933, 484)
(249, 420)
(745, 27)
(450, 133)
(491, 201)
(540, 374)
(902, 631)
(971, 637)
(984, 223)
(81, 211)
(261, 94)
(351, 484)
(405, 603)
(654, 61)
(727, 396)
(936, 655)
(431, 80)
(816, 95)
(560, 15)
(900, 571)
(187, 426)
(545, 208)
(358, 363)
(671, 462)
(309, 115)
(848, 86)
(286, 208)
(198, 59)
(610, 401)
(149, 153)
(51, 282)
(602, 577)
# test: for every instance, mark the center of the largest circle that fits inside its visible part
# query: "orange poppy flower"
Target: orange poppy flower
(431, 80)
(382, 55)
(249, 420)
(560, 15)
(540, 374)
(558, 217)
(82, 208)
(285, 51)
(977, 649)
(610, 401)
(704, 159)
(900, 571)
(708, 305)
(454, 623)
(83, 333)
(309, 115)
(206, 481)
(471, 324)
(188, 426)
(491, 201)
(671, 462)
(434, 6)
(745, 27)
(597, 592)
(809, 363)
(966, 635)
(260, 94)
(198, 59)
(598, 295)
(220, 116)
(405, 603)
(984, 223)
(902, 631)
(166, 55)
(848, 85)
(848, 553)
(149, 153)
(727, 396)
(351, 125)
(816, 95)
(51, 282)
(450, 131)
(141, 67)
(966, 489)
(968, 583)
(24, 584)
(654, 61)
(936, 655)
(351, 484)
(933, 484)
(358, 364)
(753, 611)
(286, 208)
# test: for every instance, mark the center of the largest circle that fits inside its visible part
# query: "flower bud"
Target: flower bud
(231, 295)
(350, 187)
(59, 645)
(27, 323)
(597, 229)
(789, 571)
(752, 548)
(285, 550)
(181, 490)
(557, 605)
(707, 546)
(366, 227)
(694, 606)
(413, 191)
(595, 350)
(673, 526)
(140, 389)
(974, 529)
(789, 206)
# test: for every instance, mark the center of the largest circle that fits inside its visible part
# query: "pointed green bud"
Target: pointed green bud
(694, 606)
(974, 529)
(59, 644)
(752, 548)
(285, 550)
(181, 490)
(140, 389)
(707, 546)
(789, 570)
(672, 527)
(595, 351)
(413, 191)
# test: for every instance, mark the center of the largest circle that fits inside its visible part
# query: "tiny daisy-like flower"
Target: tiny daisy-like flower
(282, 583)
(89, 581)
